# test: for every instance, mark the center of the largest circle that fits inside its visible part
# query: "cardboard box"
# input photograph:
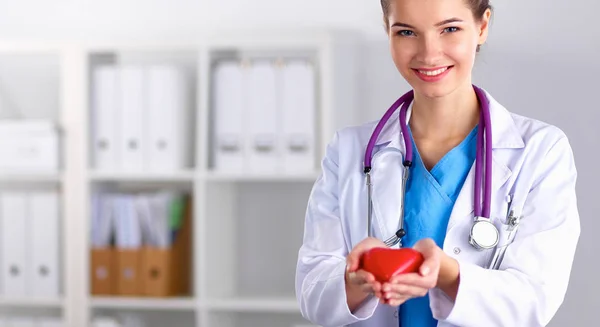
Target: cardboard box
(146, 271)
(166, 271)
(102, 271)
(129, 267)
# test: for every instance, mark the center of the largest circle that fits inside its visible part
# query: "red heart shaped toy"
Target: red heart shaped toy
(385, 263)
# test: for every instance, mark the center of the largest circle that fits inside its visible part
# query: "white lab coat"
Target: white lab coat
(532, 163)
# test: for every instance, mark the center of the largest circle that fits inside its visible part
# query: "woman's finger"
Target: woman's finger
(407, 278)
(414, 279)
(353, 258)
(368, 281)
(366, 288)
(365, 281)
(432, 254)
(366, 276)
(374, 288)
(397, 291)
(379, 295)
(351, 262)
(356, 279)
(377, 288)
(397, 302)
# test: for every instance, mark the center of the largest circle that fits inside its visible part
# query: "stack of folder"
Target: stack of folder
(123, 319)
(141, 118)
(29, 244)
(264, 112)
(141, 244)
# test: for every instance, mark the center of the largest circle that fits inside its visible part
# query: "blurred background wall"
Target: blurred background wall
(541, 60)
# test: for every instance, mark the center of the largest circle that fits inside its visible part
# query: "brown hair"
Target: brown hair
(478, 7)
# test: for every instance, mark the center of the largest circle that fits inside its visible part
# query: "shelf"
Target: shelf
(265, 177)
(231, 289)
(180, 176)
(247, 215)
(248, 304)
(172, 304)
(189, 176)
(30, 177)
(32, 302)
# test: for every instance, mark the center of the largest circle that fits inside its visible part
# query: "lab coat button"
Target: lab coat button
(456, 250)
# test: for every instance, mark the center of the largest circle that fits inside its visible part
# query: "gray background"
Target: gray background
(541, 60)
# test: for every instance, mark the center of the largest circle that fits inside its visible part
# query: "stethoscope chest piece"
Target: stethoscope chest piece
(484, 234)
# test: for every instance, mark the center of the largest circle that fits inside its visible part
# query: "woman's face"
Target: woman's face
(433, 43)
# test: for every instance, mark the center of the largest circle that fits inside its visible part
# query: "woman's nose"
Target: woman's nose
(430, 51)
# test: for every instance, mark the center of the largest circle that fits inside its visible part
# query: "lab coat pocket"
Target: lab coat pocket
(501, 219)
(506, 236)
(507, 230)
(505, 233)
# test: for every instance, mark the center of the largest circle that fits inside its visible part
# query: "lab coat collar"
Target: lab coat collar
(505, 134)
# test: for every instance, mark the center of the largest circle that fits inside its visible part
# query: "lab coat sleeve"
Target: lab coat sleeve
(320, 282)
(530, 285)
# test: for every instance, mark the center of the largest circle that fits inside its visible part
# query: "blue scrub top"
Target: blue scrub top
(430, 197)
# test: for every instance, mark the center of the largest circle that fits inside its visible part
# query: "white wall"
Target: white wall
(541, 61)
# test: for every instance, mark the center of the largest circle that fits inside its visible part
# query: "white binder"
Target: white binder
(106, 321)
(168, 121)
(131, 116)
(128, 233)
(14, 245)
(228, 114)
(44, 223)
(298, 105)
(262, 118)
(105, 118)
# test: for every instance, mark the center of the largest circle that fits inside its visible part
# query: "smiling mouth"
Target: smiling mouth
(433, 73)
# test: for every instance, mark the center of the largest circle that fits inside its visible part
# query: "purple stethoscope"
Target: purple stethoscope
(484, 234)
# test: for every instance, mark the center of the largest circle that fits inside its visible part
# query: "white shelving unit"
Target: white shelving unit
(33, 178)
(175, 304)
(247, 228)
(37, 67)
(182, 176)
(26, 302)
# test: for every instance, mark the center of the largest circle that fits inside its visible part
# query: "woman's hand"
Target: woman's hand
(360, 283)
(412, 285)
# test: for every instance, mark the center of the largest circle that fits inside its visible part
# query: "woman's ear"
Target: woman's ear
(484, 26)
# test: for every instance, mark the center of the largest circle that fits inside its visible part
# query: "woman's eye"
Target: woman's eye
(451, 29)
(405, 33)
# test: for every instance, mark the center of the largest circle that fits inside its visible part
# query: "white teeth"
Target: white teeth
(433, 72)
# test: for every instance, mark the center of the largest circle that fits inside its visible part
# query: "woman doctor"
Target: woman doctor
(530, 185)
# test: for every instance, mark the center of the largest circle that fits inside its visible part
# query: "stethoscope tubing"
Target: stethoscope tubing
(485, 126)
